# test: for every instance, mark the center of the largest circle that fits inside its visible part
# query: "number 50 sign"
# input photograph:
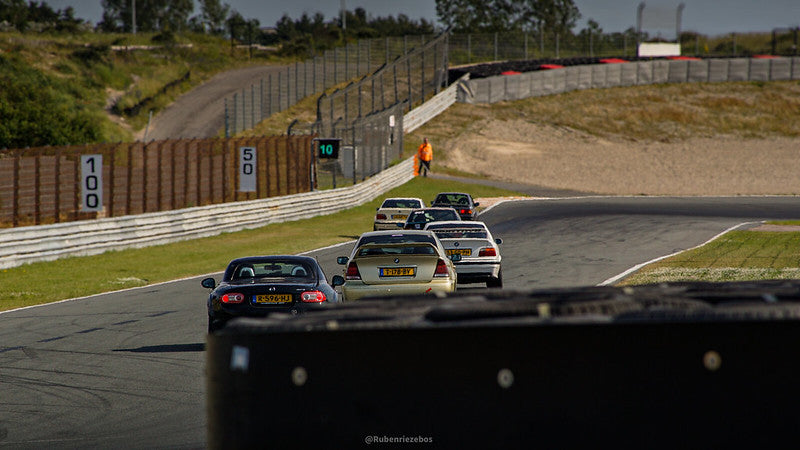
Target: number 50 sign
(91, 183)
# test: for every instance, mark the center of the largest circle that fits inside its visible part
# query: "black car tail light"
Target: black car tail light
(233, 297)
(352, 272)
(441, 269)
(312, 297)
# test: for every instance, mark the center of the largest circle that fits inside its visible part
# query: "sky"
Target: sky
(710, 17)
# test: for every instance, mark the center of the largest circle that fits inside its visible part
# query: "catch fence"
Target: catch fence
(48, 184)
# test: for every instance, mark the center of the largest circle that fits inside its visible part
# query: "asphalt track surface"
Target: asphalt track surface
(126, 369)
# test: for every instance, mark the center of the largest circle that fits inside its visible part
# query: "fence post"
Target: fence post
(422, 82)
(296, 82)
(355, 152)
(557, 49)
(235, 112)
(469, 49)
(261, 99)
(15, 219)
(77, 194)
(252, 106)
(394, 75)
(288, 87)
(495, 46)
(37, 187)
(408, 71)
(159, 180)
(58, 184)
(387, 50)
(526, 44)
(314, 75)
(335, 65)
(129, 180)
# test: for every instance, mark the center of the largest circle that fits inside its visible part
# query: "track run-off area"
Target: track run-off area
(126, 369)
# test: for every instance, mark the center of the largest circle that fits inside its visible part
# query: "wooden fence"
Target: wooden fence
(43, 185)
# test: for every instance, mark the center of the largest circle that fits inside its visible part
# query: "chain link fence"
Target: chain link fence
(279, 92)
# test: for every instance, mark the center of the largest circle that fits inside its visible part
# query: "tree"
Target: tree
(151, 15)
(213, 15)
(471, 16)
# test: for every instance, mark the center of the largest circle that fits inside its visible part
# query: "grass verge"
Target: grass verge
(80, 276)
(735, 256)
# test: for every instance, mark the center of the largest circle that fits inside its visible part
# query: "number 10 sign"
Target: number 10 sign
(91, 183)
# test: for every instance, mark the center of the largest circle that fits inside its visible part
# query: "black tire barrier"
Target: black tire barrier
(688, 365)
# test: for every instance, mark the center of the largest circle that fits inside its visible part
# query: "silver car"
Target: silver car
(480, 252)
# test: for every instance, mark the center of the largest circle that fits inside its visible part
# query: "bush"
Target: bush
(35, 110)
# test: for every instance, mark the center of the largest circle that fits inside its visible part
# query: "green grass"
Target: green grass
(80, 276)
(735, 256)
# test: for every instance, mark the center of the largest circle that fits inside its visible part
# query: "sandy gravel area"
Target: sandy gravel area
(561, 158)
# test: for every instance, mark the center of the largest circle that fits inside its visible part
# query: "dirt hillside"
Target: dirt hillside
(562, 158)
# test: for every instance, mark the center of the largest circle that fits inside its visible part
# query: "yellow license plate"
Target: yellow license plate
(399, 217)
(274, 298)
(459, 251)
(398, 272)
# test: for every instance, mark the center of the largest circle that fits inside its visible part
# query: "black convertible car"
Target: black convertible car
(258, 285)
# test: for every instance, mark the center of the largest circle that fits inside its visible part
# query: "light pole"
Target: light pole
(344, 17)
(133, 16)
(678, 22)
(639, 11)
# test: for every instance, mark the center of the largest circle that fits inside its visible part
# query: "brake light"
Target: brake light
(488, 251)
(352, 272)
(233, 297)
(466, 211)
(441, 269)
(380, 216)
(312, 297)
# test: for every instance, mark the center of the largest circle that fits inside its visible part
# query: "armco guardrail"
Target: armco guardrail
(48, 242)
(432, 108)
(556, 81)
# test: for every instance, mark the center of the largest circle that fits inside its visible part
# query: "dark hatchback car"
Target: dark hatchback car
(463, 203)
(256, 286)
(419, 217)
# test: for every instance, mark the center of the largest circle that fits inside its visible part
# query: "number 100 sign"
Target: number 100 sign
(91, 183)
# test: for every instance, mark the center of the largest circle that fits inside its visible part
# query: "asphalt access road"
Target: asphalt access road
(126, 370)
(200, 113)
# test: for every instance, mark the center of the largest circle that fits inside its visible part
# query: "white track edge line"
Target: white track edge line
(616, 278)
(150, 285)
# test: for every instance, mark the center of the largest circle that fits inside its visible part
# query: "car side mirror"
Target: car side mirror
(477, 203)
(499, 241)
(209, 283)
(342, 260)
(455, 258)
(338, 280)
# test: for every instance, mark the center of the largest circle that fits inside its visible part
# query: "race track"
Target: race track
(126, 370)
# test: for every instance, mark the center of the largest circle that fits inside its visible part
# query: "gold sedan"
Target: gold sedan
(385, 263)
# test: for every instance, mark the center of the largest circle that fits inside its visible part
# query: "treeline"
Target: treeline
(38, 16)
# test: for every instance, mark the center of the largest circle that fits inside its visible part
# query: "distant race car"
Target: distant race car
(259, 285)
(463, 203)
(418, 218)
(394, 211)
(480, 254)
(386, 263)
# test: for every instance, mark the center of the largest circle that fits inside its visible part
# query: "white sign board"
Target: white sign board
(247, 169)
(91, 183)
(656, 49)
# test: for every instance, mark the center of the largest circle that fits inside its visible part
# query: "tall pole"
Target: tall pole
(678, 15)
(344, 17)
(133, 16)
(639, 11)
